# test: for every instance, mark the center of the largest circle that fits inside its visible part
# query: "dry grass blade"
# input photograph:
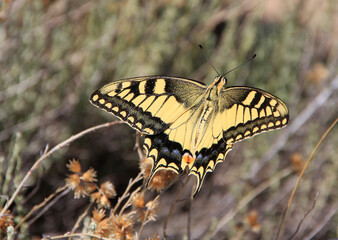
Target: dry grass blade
(48, 153)
(306, 214)
(173, 207)
(38, 206)
(51, 203)
(301, 175)
(331, 213)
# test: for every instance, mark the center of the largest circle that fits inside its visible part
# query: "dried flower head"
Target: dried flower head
(317, 73)
(6, 220)
(145, 167)
(73, 181)
(82, 184)
(104, 225)
(162, 179)
(122, 227)
(146, 212)
(156, 237)
(74, 166)
(297, 161)
(89, 175)
(138, 200)
(252, 220)
(106, 191)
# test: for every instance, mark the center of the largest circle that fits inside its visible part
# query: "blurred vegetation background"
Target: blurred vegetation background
(54, 54)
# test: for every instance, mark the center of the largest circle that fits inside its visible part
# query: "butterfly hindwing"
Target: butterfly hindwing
(148, 104)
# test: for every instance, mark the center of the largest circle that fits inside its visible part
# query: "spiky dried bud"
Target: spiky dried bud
(122, 227)
(74, 166)
(104, 225)
(82, 184)
(138, 200)
(162, 179)
(108, 189)
(102, 196)
(73, 181)
(89, 175)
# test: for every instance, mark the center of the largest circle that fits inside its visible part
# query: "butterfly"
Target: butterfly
(188, 125)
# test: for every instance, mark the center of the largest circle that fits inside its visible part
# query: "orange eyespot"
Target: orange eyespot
(188, 158)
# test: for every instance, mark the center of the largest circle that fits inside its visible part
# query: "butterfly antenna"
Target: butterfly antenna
(249, 60)
(206, 56)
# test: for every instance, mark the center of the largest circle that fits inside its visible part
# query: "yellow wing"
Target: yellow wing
(149, 104)
(187, 124)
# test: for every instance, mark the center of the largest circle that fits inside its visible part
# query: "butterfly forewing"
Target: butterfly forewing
(148, 104)
(247, 111)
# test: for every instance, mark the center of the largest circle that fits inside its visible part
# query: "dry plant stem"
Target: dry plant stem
(81, 235)
(82, 216)
(48, 153)
(189, 213)
(145, 218)
(322, 223)
(306, 214)
(38, 206)
(49, 205)
(128, 202)
(173, 207)
(250, 196)
(138, 147)
(126, 192)
(301, 175)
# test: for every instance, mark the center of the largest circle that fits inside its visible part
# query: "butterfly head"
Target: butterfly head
(219, 82)
(223, 79)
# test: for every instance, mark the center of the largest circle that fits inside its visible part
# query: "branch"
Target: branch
(48, 153)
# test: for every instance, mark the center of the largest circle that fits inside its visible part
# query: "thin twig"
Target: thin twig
(76, 235)
(320, 224)
(82, 216)
(40, 205)
(306, 214)
(173, 207)
(126, 192)
(48, 206)
(301, 175)
(48, 153)
(145, 217)
(128, 202)
(138, 147)
(189, 212)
